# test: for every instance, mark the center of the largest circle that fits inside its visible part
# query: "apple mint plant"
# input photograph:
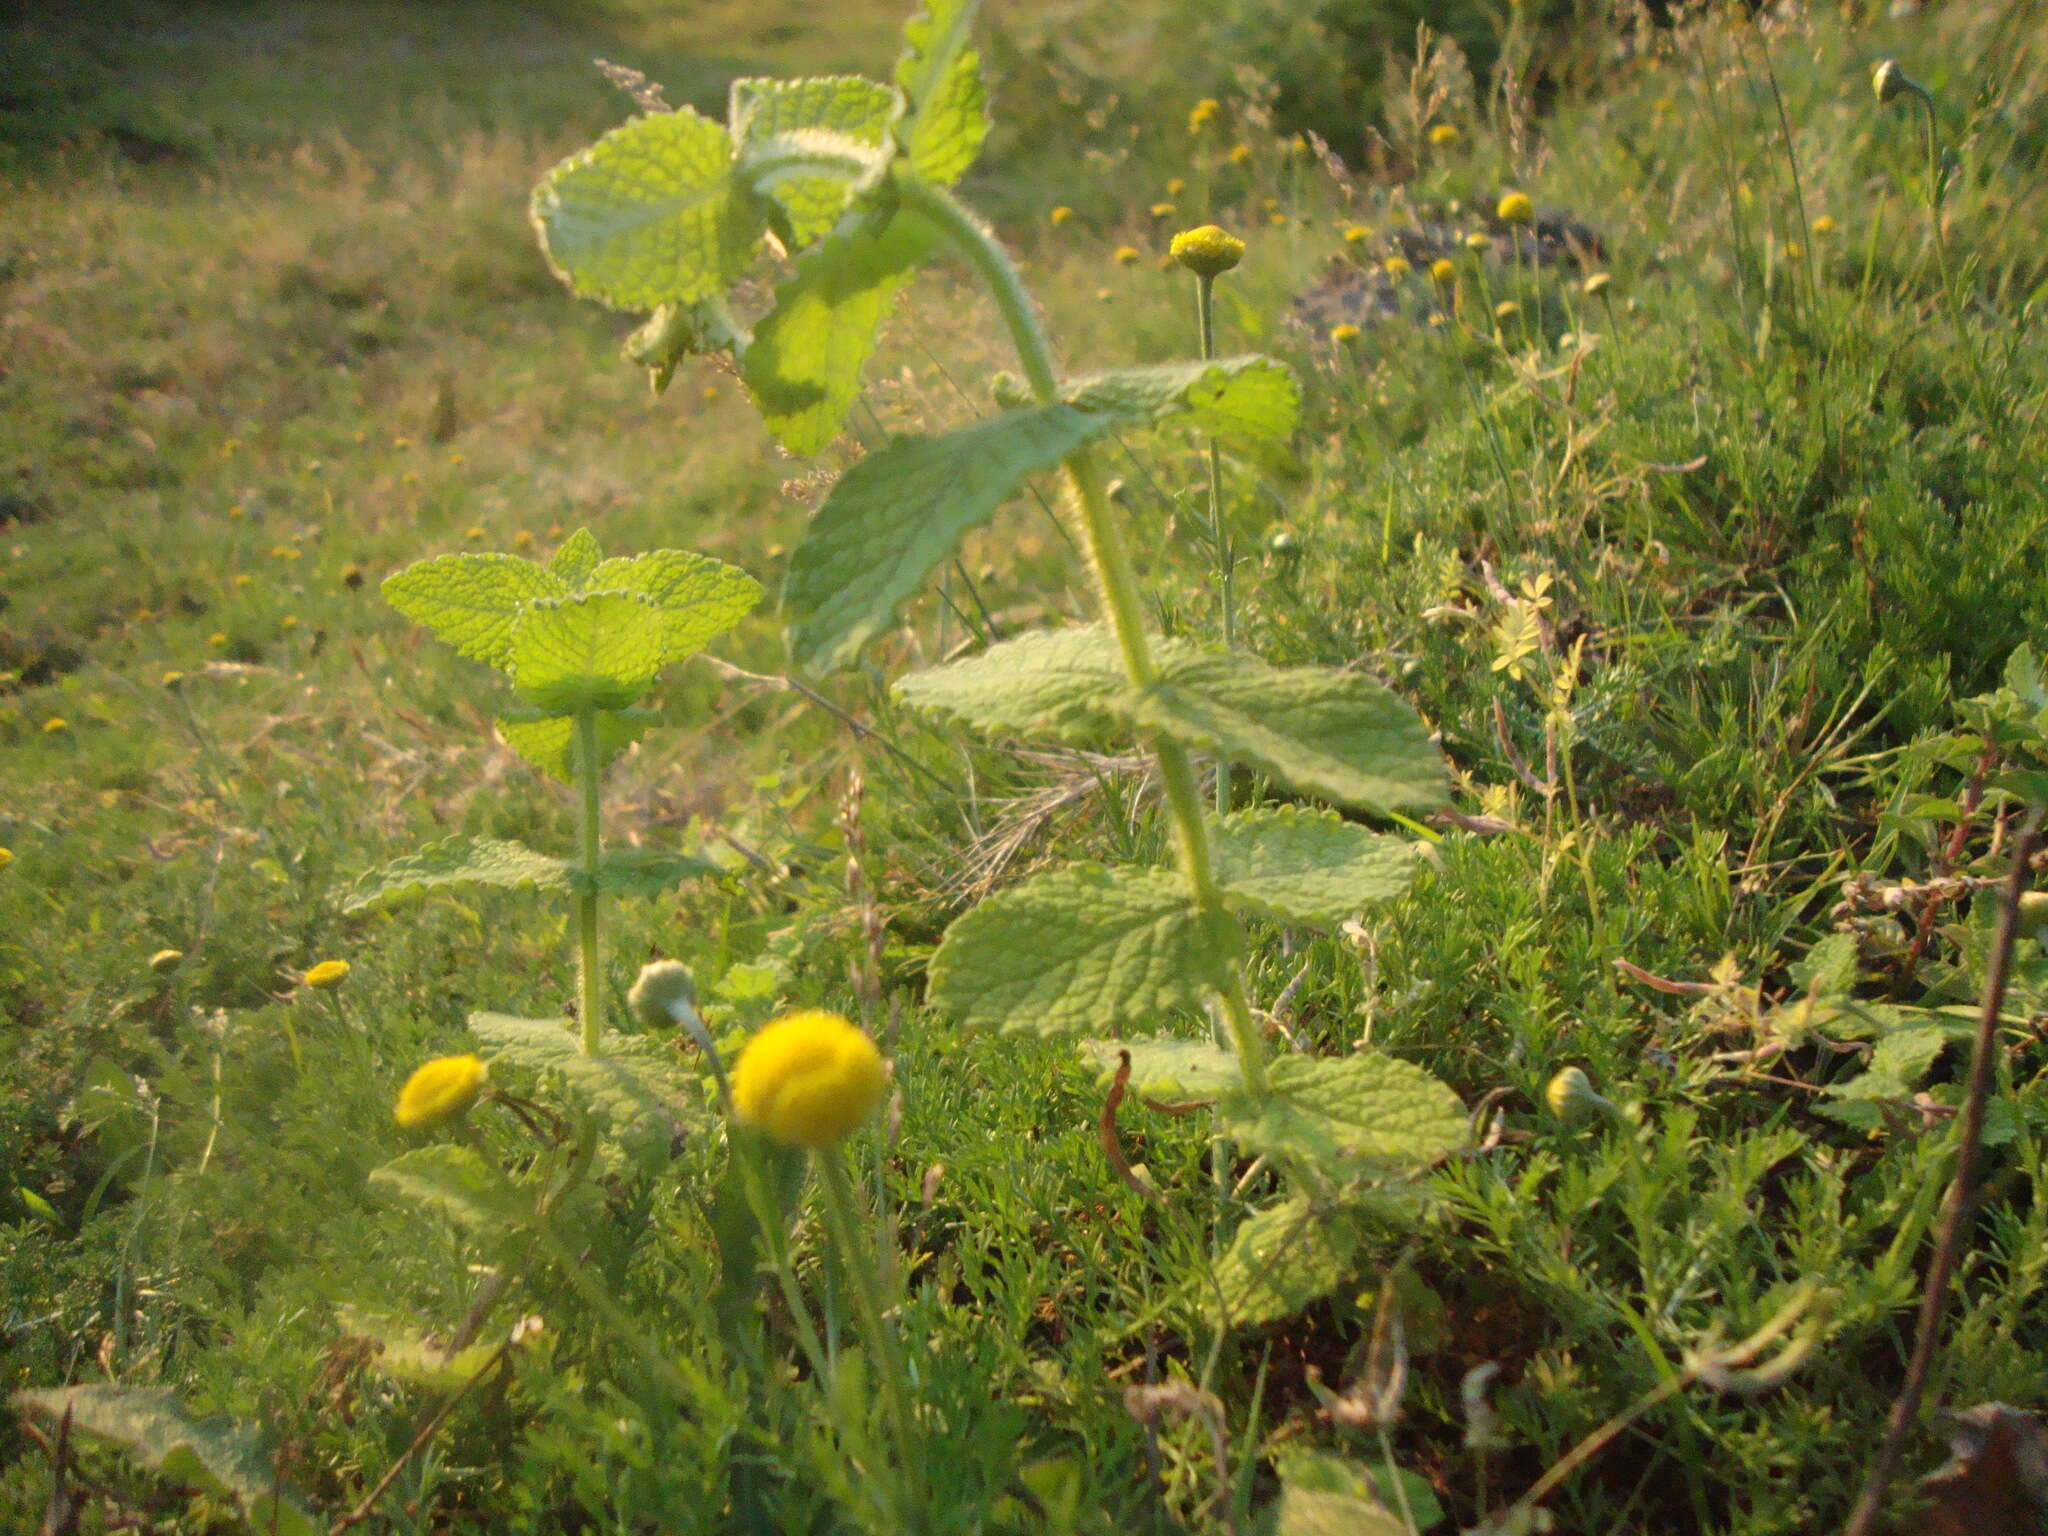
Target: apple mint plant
(851, 180)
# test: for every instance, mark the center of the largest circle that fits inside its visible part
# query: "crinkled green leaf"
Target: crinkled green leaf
(699, 597)
(403, 1354)
(1325, 1495)
(1315, 729)
(456, 1182)
(1348, 1114)
(595, 650)
(1064, 683)
(1247, 398)
(676, 331)
(1080, 948)
(636, 1085)
(1298, 865)
(803, 365)
(808, 146)
(945, 103)
(216, 1455)
(645, 873)
(458, 861)
(648, 215)
(548, 741)
(901, 512)
(470, 601)
(1167, 1069)
(575, 559)
(1281, 1261)
(844, 104)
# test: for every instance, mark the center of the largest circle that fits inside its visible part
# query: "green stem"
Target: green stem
(1116, 584)
(589, 846)
(856, 1261)
(1219, 535)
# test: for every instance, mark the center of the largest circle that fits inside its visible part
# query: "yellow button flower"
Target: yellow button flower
(1444, 134)
(1343, 333)
(1444, 270)
(808, 1079)
(55, 725)
(166, 960)
(1357, 234)
(1240, 154)
(1126, 255)
(327, 975)
(1207, 250)
(1396, 266)
(6, 857)
(1059, 215)
(1203, 114)
(1824, 225)
(441, 1091)
(1175, 187)
(1516, 208)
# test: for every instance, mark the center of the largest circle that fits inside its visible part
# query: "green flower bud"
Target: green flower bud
(2033, 914)
(1887, 80)
(1574, 1100)
(665, 993)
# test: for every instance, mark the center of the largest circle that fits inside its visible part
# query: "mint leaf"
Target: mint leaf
(1349, 1114)
(216, 1454)
(1316, 729)
(804, 363)
(1064, 683)
(1324, 1495)
(1081, 948)
(458, 861)
(470, 601)
(1282, 1260)
(648, 215)
(1247, 398)
(404, 1354)
(858, 108)
(645, 873)
(636, 1086)
(577, 556)
(808, 146)
(456, 1183)
(676, 331)
(901, 512)
(945, 105)
(699, 597)
(548, 741)
(1297, 865)
(1167, 1069)
(596, 650)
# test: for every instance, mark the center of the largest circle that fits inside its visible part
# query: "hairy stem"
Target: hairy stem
(1219, 535)
(589, 846)
(1116, 585)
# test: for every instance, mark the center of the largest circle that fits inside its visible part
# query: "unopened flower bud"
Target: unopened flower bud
(1574, 1100)
(664, 993)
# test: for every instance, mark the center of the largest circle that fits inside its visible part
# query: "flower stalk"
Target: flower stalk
(590, 847)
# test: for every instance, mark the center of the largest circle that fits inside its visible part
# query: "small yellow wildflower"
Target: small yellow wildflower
(523, 539)
(1102, 295)
(1478, 243)
(456, 460)
(6, 857)
(284, 552)
(1445, 134)
(1397, 266)
(166, 960)
(1444, 270)
(1126, 255)
(401, 442)
(410, 478)
(56, 725)
(1516, 208)
(1175, 187)
(1794, 250)
(1161, 210)
(327, 975)
(1207, 250)
(473, 532)
(1507, 309)
(288, 622)
(242, 579)
(1276, 218)
(1204, 113)
(217, 639)
(1343, 333)
(1357, 234)
(709, 394)
(1597, 284)
(440, 1091)
(808, 1079)
(1059, 215)
(1165, 263)
(1240, 154)
(236, 512)
(1824, 225)
(172, 678)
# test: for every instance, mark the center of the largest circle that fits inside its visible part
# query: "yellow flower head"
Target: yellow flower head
(1207, 250)
(441, 1091)
(1478, 243)
(1175, 187)
(1824, 225)
(327, 975)
(1356, 234)
(1126, 254)
(1444, 270)
(6, 857)
(1507, 309)
(172, 678)
(1516, 208)
(1204, 113)
(1396, 266)
(808, 1079)
(55, 724)
(166, 959)
(1240, 154)
(523, 539)
(1343, 333)
(1445, 134)
(1161, 210)
(1060, 215)
(1597, 284)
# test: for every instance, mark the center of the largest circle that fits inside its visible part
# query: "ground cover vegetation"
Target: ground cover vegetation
(1310, 837)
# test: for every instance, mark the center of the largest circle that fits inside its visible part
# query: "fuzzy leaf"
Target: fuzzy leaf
(1167, 1069)
(1316, 729)
(760, 109)
(1246, 398)
(1065, 683)
(699, 597)
(577, 556)
(676, 331)
(549, 741)
(636, 1086)
(1281, 1260)
(1297, 865)
(1324, 1495)
(804, 363)
(645, 873)
(595, 650)
(809, 145)
(216, 1455)
(457, 1183)
(649, 214)
(946, 104)
(404, 1355)
(471, 601)
(458, 861)
(1349, 1114)
(1081, 948)
(900, 513)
